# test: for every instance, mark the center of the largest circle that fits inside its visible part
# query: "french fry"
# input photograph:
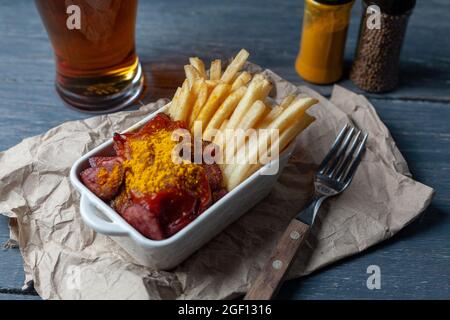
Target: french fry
(283, 141)
(235, 77)
(252, 116)
(224, 111)
(198, 84)
(200, 100)
(276, 111)
(222, 128)
(235, 65)
(219, 138)
(184, 103)
(267, 86)
(215, 99)
(211, 84)
(291, 133)
(238, 172)
(224, 125)
(216, 70)
(233, 144)
(269, 106)
(255, 91)
(258, 78)
(198, 64)
(241, 80)
(198, 87)
(191, 74)
(235, 173)
(248, 121)
(291, 113)
(272, 115)
(287, 100)
(226, 168)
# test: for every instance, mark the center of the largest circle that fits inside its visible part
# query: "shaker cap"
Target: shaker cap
(393, 7)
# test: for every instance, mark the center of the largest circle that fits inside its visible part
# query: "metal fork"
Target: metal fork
(334, 175)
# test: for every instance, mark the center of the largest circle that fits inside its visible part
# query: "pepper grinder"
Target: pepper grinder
(382, 32)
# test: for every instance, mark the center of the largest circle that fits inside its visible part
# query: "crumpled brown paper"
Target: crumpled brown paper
(67, 260)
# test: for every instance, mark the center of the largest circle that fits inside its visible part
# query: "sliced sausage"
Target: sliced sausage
(104, 180)
(144, 221)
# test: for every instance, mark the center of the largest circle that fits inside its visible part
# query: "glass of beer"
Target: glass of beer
(97, 69)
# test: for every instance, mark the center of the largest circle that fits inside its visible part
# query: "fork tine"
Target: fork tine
(340, 152)
(348, 176)
(347, 157)
(333, 149)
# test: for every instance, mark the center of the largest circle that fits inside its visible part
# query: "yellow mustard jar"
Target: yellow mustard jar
(325, 26)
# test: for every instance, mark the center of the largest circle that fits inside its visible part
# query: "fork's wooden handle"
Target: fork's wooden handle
(271, 276)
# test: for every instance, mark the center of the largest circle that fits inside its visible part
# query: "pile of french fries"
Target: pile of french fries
(235, 99)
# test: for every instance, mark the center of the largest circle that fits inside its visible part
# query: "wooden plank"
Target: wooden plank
(12, 275)
(169, 32)
(5, 296)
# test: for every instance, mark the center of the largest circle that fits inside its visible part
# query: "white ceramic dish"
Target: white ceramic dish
(167, 253)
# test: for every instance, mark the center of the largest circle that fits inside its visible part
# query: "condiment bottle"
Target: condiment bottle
(325, 25)
(381, 35)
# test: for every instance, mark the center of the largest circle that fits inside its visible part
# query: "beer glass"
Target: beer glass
(97, 69)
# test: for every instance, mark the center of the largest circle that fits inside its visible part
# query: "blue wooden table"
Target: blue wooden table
(415, 264)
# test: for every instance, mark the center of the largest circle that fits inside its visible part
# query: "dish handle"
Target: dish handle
(90, 215)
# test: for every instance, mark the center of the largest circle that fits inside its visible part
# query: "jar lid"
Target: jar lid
(393, 7)
(333, 2)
